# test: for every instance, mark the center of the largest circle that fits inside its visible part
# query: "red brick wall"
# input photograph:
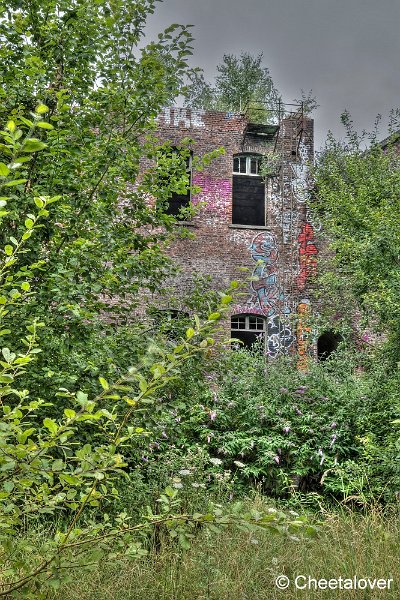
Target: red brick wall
(285, 248)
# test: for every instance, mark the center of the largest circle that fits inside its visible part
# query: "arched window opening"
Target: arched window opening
(327, 343)
(249, 329)
(248, 191)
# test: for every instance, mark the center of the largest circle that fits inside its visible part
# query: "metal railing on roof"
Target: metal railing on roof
(274, 112)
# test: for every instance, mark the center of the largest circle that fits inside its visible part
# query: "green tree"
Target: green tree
(82, 60)
(242, 84)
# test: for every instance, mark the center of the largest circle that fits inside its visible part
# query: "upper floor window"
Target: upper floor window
(178, 200)
(248, 191)
(246, 165)
(174, 171)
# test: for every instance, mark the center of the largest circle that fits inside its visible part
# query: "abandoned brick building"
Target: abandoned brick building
(250, 217)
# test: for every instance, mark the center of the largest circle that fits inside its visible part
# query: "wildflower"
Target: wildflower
(213, 415)
(239, 464)
(333, 440)
(164, 435)
(185, 472)
(333, 425)
(216, 461)
(284, 390)
(286, 429)
(277, 459)
(177, 485)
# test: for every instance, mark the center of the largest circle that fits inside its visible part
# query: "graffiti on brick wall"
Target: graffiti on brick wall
(265, 252)
(302, 333)
(307, 255)
(183, 117)
(280, 335)
(300, 182)
(267, 295)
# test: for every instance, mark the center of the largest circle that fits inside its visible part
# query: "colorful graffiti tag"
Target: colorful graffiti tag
(267, 294)
(307, 255)
(302, 333)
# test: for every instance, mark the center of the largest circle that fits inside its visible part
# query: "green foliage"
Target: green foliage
(357, 202)
(96, 97)
(236, 422)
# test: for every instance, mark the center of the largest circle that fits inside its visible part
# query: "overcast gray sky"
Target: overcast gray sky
(346, 51)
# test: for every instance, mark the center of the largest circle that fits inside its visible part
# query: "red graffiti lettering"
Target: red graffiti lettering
(307, 255)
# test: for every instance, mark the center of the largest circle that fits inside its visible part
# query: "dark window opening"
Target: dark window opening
(248, 191)
(327, 344)
(177, 201)
(249, 329)
(170, 322)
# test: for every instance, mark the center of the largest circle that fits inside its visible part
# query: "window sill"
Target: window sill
(236, 226)
(248, 174)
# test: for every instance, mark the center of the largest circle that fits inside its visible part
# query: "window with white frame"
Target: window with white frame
(248, 191)
(248, 329)
(246, 164)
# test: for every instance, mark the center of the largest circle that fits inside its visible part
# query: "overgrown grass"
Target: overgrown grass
(236, 565)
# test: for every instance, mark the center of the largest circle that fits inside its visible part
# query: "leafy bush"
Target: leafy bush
(281, 429)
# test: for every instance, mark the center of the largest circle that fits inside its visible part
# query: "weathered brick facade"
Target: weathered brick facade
(280, 254)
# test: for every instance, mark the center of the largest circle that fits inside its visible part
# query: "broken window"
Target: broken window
(249, 329)
(248, 191)
(180, 198)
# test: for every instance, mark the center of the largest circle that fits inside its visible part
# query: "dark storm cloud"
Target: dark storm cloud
(345, 50)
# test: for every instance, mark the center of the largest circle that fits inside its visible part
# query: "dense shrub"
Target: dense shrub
(268, 424)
